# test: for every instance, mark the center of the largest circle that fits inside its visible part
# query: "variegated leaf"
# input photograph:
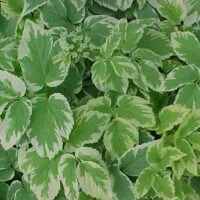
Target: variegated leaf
(119, 137)
(171, 116)
(51, 119)
(136, 110)
(15, 123)
(44, 65)
(187, 47)
(67, 173)
(41, 173)
(175, 11)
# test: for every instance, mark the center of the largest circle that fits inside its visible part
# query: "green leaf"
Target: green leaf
(112, 4)
(178, 168)
(187, 47)
(192, 100)
(14, 187)
(163, 186)
(151, 76)
(136, 110)
(189, 159)
(54, 13)
(12, 8)
(6, 160)
(121, 185)
(157, 42)
(175, 11)
(41, 173)
(88, 128)
(7, 174)
(194, 140)
(133, 162)
(144, 182)
(51, 119)
(171, 116)
(119, 137)
(84, 196)
(31, 6)
(190, 124)
(124, 4)
(44, 65)
(181, 76)
(67, 173)
(15, 123)
(3, 190)
(94, 179)
(73, 82)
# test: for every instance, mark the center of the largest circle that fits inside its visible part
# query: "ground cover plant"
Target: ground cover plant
(99, 99)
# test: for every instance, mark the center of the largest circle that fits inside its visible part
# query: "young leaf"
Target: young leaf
(189, 159)
(41, 173)
(144, 182)
(175, 11)
(163, 186)
(160, 157)
(190, 124)
(136, 110)
(171, 116)
(15, 123)
(119, 137)
(51, 119)
(67, 173)
(187, 47)
(194, 140)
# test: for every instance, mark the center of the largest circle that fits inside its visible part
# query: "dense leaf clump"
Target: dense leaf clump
(99, 99)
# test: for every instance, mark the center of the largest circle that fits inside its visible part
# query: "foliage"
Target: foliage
(99, 99)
